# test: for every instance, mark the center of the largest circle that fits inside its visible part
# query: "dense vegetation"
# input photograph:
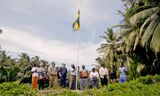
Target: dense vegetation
(143, 86)
(12, 69)
(14, 89)
(136, 43)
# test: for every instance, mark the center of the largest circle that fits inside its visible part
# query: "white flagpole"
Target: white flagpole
(78, 40)
(77, 61)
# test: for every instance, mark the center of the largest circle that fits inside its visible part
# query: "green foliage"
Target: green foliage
(125, 89)
(136, 87)
(13, 69)
(108, 49)
(143, 86)
(149, 79)
(64, 93)
(14, 89)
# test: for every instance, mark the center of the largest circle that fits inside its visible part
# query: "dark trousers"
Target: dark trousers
(95, 83)
(104, 81)
(63, 81)
(41, 84)
(73, 83)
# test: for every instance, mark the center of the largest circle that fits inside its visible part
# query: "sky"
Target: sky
(44, 28)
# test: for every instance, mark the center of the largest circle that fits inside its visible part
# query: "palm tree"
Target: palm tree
(108, 49)
(24, 60)
(35, 60)
(129, 1)
(145, 22)
(8, 67)
(141, 32)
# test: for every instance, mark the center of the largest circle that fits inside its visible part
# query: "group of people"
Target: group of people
(41, 74)
(104, 74)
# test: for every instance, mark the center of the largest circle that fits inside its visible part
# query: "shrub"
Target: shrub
(14, 89)
(149, 79)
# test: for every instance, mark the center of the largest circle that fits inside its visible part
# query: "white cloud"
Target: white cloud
(14, 40)
(25, 22)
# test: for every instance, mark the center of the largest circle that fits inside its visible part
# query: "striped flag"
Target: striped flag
(76, 24)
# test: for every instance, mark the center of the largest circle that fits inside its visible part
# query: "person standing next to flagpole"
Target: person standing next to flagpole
(73, 77)
(83, 78)
(103, 71)
(52, 75)
(63, 74)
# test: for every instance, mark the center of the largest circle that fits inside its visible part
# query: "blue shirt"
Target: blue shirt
(63, 71)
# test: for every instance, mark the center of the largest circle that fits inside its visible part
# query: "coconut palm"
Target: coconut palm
(145, 24)
(8, 67)
(35, 60)
(108, 49)
(24, 60)
(141, 33)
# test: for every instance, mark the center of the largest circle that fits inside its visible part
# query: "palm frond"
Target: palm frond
(149, 31)
(146, 23)
(155, 42)
(143, 14)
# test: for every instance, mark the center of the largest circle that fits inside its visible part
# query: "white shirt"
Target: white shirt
(42, 70)
(103, 72)
(94, 74)
(73, 72)
(35, 71)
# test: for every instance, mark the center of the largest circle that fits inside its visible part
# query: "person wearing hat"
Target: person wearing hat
(63, 75)
(52, 75)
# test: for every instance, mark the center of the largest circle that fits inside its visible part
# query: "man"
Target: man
(103, 71)
(84, 78)
(52, 75)
(73, 77)
(63, 75)
(94, 76)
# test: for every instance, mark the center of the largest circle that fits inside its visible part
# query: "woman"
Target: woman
(35, 75)
(94, 76)
(112, 74)
(42, 76)
(123, 73)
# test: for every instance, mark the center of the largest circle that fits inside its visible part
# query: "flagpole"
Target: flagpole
(78, 38)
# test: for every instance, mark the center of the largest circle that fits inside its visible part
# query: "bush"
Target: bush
(125, 89)
(14, 89)
(149, 79)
